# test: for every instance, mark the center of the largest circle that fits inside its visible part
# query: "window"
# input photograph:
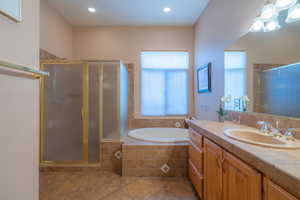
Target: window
(164, 80)
(235, 64)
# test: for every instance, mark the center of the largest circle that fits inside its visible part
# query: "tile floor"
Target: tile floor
(98, 185)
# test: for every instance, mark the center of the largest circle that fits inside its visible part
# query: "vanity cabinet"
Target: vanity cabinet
(240, 181)
(212, 171)
(228, 178)
(196, 162)
(275, 192)
(218, 175)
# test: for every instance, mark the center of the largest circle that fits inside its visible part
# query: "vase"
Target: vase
(221, 118)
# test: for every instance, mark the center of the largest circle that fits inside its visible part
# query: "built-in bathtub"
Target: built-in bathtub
(161, 135)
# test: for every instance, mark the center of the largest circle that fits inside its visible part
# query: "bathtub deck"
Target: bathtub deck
(131, 141)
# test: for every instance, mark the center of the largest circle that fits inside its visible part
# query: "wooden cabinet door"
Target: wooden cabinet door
(212, 171)
(274, 192)
(240, 181)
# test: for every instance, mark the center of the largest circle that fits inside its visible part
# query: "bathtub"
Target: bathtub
(164, 135)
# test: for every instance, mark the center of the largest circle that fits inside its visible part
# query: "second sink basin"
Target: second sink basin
(261, 139)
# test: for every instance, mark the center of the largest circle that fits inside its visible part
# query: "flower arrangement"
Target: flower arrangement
(244, 101)
(221, 112)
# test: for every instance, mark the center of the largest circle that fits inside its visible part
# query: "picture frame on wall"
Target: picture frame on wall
(11, 9)
(204, 79)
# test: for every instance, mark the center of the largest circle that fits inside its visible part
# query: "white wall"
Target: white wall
(19, 107)
(126, 43)
(56, 32)
(222, 22)
(278, 47)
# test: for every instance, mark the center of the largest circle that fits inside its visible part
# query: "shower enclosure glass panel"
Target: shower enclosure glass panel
(110, 101)
(94, 116)
(83, 103)
(62, 137)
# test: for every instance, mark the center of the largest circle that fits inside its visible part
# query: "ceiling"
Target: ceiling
(130, 12)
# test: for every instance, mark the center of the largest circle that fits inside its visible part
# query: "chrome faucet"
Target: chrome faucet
(264, 126)
(267, 128)
(290, 133)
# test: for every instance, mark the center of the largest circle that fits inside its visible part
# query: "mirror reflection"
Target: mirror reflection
(262, 71)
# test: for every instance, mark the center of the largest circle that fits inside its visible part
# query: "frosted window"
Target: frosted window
(164, 88)
(235, 59)
(235, 64)
(165, 60)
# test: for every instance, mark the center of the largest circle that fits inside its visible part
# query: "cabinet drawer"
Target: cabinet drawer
(196, 138)
(196, 179)
(196, 157)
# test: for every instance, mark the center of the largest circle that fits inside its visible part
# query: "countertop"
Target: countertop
(280, 165)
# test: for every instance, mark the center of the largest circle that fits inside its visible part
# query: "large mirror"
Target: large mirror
(262, 71)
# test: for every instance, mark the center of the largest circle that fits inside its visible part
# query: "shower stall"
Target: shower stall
(83, 103)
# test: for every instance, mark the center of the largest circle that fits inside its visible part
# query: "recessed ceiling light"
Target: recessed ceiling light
(91, 9)
(166, 10)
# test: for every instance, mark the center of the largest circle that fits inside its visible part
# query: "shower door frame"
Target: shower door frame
(84, 112)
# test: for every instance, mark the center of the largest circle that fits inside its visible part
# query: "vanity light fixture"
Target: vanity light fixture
(258, 25)
(268, 12)
(294, 14)
(167, 10)
(284, 4)
(91, 9)
(272, 25)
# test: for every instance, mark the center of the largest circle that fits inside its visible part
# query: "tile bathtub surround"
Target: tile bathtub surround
(251, 118)
(154, 160)
(105, 185)
(111, 156)
(134, 123)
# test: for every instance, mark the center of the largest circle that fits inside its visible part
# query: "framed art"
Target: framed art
(204, 79)
(11, 9)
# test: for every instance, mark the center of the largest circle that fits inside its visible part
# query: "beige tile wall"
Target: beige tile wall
(108, 153)
(147, 160)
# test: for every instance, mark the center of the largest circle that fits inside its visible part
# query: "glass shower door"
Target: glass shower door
(64, 113)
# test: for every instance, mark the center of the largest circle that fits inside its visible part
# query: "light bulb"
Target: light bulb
(268, 12)
(272, 25)
(258, 25)
(91, 9)
(294, 14)
(284, 4)
(166, 10)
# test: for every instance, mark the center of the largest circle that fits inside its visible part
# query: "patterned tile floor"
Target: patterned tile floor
(102, 185)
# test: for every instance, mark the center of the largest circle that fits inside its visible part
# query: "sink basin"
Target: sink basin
(258, 138)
